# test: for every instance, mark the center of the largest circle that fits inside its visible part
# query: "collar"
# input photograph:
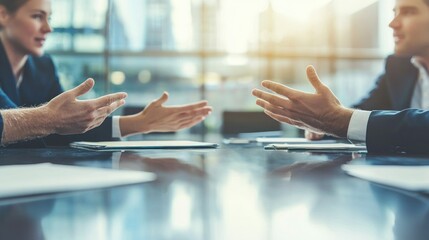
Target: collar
(418, 64)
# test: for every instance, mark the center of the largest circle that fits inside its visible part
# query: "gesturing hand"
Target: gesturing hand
(69, 115)
(159, 118)
(320, 112)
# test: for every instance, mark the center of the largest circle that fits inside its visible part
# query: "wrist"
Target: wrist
(47, 115)
(130, 125)
(341, 122)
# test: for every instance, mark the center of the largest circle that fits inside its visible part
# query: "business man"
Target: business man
(384, 131)
(404, 81)
(62, 115)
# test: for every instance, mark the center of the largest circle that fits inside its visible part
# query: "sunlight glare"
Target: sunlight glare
(298, 10)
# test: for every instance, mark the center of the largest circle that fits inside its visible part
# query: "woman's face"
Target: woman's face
(27, 29)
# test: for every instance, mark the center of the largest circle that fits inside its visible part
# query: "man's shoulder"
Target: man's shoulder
(399, 64)
(393, 59)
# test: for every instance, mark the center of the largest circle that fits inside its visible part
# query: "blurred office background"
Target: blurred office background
(219, 49)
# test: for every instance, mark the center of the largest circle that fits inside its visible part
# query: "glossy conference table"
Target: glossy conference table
(235, 192)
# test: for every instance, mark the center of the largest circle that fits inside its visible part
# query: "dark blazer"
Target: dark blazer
(393, 131)
(394, 89)
(40, 84)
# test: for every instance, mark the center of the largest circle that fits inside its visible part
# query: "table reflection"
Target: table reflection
(408, 212)
(236, 193)
(24, 221)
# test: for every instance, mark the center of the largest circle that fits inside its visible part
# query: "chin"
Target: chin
(37, 53)
(402, 53)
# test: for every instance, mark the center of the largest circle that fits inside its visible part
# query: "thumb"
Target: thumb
(83, 88)
(314, 79)
(162, 99)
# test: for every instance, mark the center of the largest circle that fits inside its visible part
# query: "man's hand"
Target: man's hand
(68, 115)
(158, 118)
(62, 115)
(319, 112)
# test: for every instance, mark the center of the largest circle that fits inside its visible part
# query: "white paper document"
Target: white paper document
(281, 140)
(22, 180)
(143, 145)
(291, 140)
(317, 146)
(414, 178)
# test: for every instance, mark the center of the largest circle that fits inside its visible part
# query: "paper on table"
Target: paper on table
(20, 180)
(281, 140)
(315, 146)
(291, 140)
(143, 145)
(414, 178)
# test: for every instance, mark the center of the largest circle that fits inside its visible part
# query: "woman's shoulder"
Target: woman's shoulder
(43, 63)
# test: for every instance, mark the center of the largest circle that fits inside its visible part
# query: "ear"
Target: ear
(4, 16)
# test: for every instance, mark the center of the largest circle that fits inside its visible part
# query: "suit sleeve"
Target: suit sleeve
(393, 131)
(5, 101)
(1, 128)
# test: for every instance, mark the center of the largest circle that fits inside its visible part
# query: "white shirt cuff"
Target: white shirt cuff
(116, 129)
(358, 125)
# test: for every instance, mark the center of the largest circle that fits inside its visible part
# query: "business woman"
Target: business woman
(29, 78)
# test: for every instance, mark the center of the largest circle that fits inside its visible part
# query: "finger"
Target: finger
(107, 110)
(270, 107)
(191, 123)
(190, 107)
(314, 79)
(108, 99)
(282, 89)
(192, 118)
(82, 88)
(279, 111)
(162, 99)
(271, 98)
(288, 108)
(313, 135)
(96, 123)
(285, 113)
(104, 112)
(284, 119)
(196, 113)
(187, 118)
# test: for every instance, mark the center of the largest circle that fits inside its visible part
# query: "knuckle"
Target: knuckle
(109, 100)
(91, 117)
(90, 108)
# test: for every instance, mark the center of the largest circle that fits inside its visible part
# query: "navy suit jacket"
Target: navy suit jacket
(403, 129)
(39, 85)
(393, 89)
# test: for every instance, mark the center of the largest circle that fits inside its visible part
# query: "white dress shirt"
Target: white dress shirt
(420, 99)
(116, 130)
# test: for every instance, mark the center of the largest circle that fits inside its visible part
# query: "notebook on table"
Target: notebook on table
(118, 145)
(317, 147)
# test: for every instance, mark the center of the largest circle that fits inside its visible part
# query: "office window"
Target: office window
(219, 49)
(146, 78)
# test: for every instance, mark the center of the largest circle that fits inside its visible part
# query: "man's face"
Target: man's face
(411, 28)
